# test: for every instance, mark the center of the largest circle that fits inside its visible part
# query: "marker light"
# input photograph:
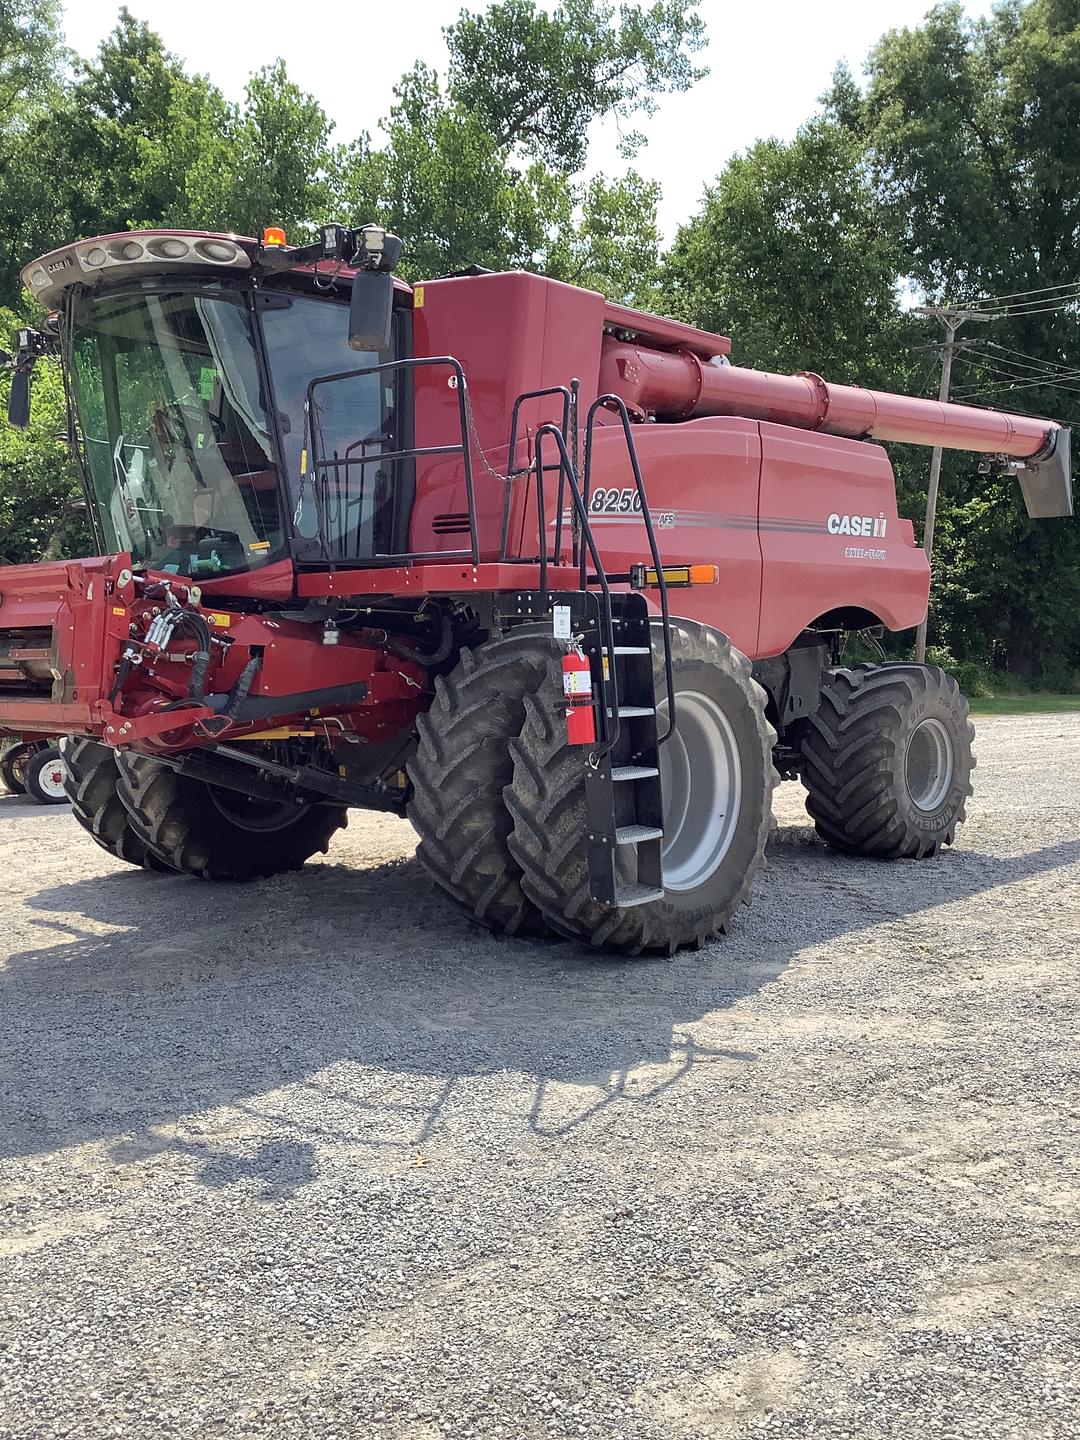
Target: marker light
(644, 576)
(273, 235)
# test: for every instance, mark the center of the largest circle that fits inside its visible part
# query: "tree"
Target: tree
(536, 81)
(30, 51)
(39, 487)
(30, 57)
(791, 253)
(969, 130)
(606, 237)
(270, 161)
(458, 195)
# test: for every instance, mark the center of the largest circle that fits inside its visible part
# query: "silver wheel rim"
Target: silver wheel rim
(51, 780)
(929, 765)
(702, 781)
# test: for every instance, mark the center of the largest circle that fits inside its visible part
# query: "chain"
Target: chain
(470, 420)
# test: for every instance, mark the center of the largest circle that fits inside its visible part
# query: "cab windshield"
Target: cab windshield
(176, 433)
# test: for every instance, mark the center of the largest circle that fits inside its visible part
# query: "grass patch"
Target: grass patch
(1032, 702)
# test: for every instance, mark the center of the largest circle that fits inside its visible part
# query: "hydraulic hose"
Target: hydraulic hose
(425, 658)
(201, 657)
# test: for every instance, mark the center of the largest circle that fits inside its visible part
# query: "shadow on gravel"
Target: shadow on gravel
(365, 990)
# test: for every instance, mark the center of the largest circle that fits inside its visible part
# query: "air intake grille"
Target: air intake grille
(453, 522)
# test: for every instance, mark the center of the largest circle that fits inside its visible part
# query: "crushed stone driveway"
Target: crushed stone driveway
(315, 1158)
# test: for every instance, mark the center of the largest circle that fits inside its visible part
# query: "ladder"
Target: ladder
(623, 782)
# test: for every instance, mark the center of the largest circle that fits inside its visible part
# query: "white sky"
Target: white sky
(769, 63)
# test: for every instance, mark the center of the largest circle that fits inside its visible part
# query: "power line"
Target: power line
(1020, 294)
(1012, 369)
(1023, 382)
(1034, 359)
(1026, 385)
(1068, 301)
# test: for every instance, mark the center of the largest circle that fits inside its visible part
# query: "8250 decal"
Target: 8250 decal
(626, 502)
(614, 502)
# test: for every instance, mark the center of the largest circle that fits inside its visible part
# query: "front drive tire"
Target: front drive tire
(887, 761)
(217, 834)
(90, 781)
(718, 779)
(459, 770)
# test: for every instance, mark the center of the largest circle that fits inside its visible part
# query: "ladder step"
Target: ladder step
(627, 895)
(627, 712)
(633, 772)
(632, 650)
(635, 834)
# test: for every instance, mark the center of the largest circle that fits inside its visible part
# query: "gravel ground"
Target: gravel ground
(313, 1158)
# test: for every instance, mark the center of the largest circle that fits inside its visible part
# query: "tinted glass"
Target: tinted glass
(176, 432)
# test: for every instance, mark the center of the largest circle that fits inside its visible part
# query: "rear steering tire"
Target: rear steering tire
(217, 834)
(91, 782)
(717, 776)
(459, 771)
(887, 761)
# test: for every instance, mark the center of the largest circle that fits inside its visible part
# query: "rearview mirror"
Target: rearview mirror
(18, 410)
(371, 310)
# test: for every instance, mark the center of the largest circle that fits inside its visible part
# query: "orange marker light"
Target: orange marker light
(273, 235)
(704, 574)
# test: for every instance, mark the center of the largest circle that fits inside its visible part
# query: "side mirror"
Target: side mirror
(18, 412)
(370, 310)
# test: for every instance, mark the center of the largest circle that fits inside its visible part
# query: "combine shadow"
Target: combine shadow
(187, 997)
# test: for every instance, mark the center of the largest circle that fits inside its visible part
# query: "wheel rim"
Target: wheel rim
(930, 764)
(701, 777)
(248, 813)
(51, 780)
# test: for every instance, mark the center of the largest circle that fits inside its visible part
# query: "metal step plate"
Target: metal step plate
(627, 895)
(635, 834)
(633, 772)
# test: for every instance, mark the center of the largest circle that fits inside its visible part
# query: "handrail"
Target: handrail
(317, 464)
(615, 402)
(568, 404)
(610, 731)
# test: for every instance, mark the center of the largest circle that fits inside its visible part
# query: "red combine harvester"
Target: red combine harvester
(548, 575)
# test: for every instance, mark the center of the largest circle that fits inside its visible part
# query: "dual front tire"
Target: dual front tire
(512, 796)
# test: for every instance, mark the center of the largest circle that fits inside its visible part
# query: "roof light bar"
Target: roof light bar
(114, 256)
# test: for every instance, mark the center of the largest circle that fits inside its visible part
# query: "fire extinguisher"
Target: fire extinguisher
(578, 694)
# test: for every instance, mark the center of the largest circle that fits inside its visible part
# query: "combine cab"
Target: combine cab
(548, 575)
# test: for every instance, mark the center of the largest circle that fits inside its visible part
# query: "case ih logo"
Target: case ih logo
(61, 264)
(857, 525)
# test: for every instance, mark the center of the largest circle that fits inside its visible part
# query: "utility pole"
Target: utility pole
(952, 320)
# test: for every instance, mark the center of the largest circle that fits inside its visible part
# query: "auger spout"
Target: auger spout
(679, 385)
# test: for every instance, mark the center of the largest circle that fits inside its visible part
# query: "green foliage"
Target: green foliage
(270, 161)
(39, 485)
(969, 130)
(458, 196)
(536, 80)
(29, 52)
(789, 254)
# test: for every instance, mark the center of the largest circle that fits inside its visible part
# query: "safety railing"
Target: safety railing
(335, 539)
